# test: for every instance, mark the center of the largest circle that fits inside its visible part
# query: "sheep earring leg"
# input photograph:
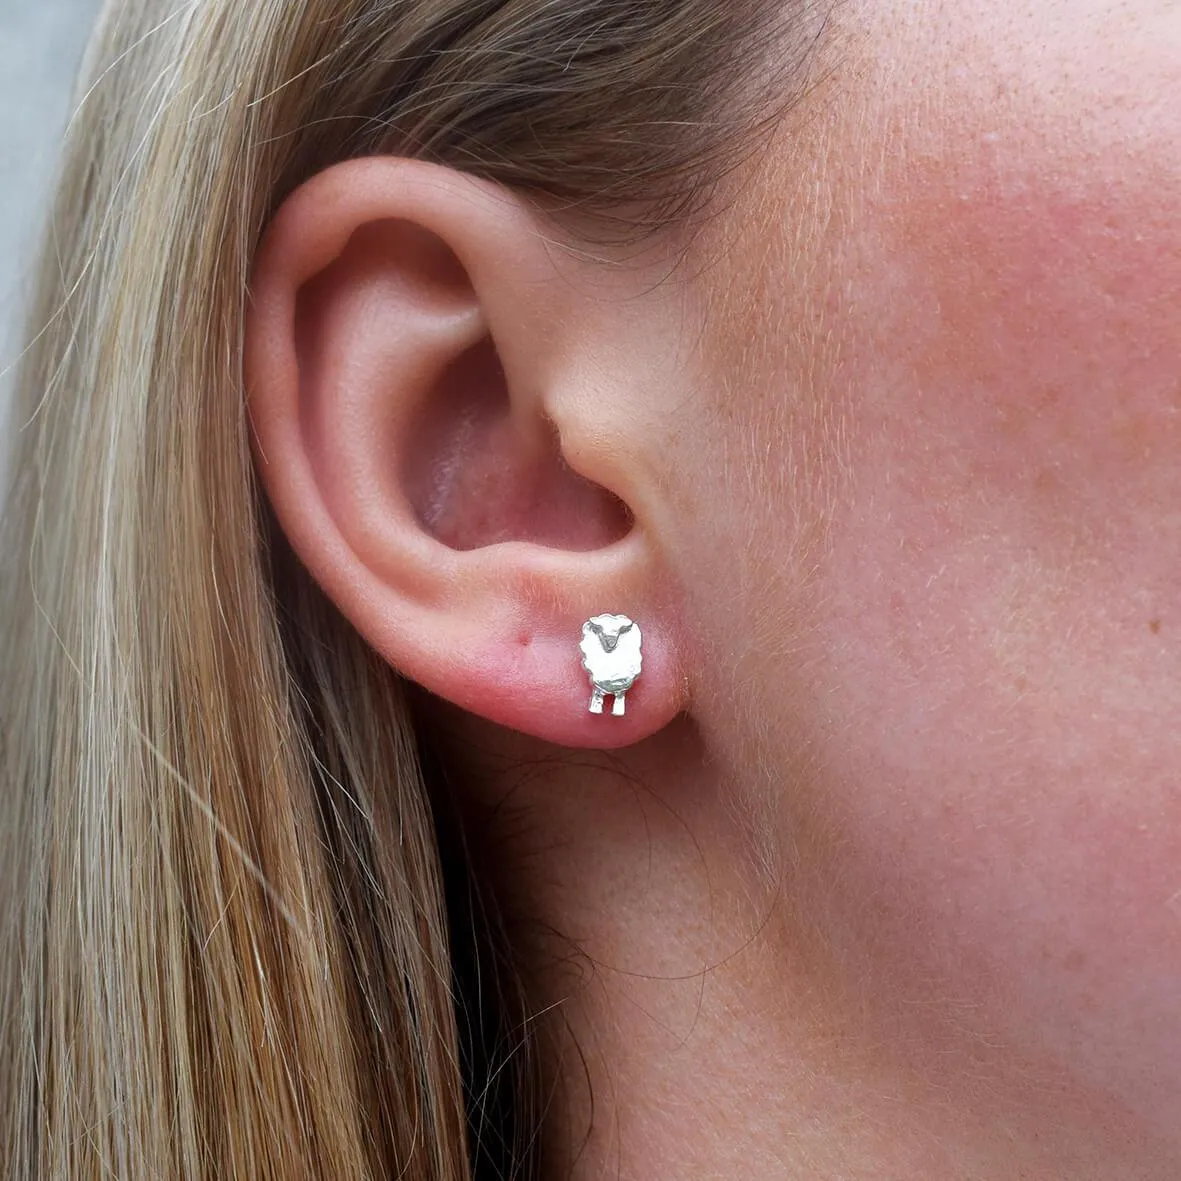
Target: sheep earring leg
(619, 707)
(596, 705)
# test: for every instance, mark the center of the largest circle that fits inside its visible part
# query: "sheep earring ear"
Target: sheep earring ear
(611, 655)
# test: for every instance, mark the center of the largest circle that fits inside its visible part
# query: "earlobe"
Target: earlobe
(407, 338)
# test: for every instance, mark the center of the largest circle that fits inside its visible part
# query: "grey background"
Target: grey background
(41, 43)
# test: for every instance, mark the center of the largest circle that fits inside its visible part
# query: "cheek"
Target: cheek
(1001, 690)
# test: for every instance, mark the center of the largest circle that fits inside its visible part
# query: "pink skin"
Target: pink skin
(985, 670)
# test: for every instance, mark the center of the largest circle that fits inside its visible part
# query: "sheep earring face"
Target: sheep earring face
(611, 655)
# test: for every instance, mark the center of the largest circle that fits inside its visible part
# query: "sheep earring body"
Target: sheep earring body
(611, 655)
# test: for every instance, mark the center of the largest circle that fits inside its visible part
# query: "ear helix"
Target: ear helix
(611, 654)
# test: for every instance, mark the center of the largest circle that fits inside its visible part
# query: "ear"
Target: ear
(414, 359)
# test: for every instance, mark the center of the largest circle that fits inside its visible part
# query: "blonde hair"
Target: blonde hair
(224, 947)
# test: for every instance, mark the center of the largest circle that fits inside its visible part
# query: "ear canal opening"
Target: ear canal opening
(476, 477)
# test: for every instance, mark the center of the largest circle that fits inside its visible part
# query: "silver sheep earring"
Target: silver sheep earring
(611, 655)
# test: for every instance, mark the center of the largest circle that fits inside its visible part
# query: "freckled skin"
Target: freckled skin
(959, 642)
